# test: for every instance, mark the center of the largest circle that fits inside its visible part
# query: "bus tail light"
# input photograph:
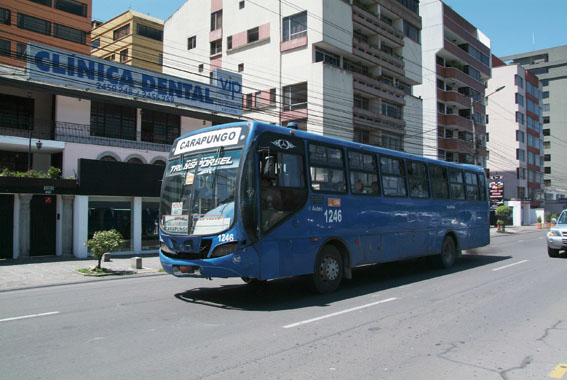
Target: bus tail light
(225, 249)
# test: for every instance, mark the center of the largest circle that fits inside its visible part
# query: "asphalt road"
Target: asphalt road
(501, 313)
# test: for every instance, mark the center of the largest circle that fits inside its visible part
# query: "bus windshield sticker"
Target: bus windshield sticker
(213, 139)
(334, 202)
(176, 223)
(176, 208)
(189, 179)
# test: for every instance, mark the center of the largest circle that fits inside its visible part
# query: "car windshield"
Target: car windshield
(198, 193)
(562, 218)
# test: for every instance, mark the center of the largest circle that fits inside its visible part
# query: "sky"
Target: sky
(513, 26)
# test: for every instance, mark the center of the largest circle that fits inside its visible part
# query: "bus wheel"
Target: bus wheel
(448, 253)
(328, 271)
(252, 281)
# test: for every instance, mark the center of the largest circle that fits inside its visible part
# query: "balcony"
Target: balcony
(463, 56)
(458, 75)
(375, 120)
(462, 123)
(377, 88)
(375, 25)
(453, 97)
(462, 33)
(80, 133)
(456, 145)
(376, 56)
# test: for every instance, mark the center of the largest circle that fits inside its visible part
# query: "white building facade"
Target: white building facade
(515, 131)
(334, 67)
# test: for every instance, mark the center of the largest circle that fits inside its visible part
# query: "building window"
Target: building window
(216, 47)
(361, 102)
(5, 16)
(69, 34)
(295, 97)
(150, 222)
(521, 154)
(240, 67)
(412, 32)
(391, 110)
(361, 136)
(412, 5)
(546, 108)
(216, 20)
(95, 44)
(123, 55)
(42, 2)
(547, 157)
(34, 24)
(519, 81)
(113, 121)
(5, 48)
(104, 215)
(545, 95)
(520, 99)
(241, 4)
(21, 51)
(71, 6)
(248, 103)
(272, 96)
(547, 170)
(393, 142)
(253, 34)
(327, 57)
(201, 68)
(160, 127)
(258, 99)
(121, 32)
(16, 112)
(191, 42)
(148, 31)
(519, 118)
(546, 120)
(229, 42)
(520, 136)
(294, 26)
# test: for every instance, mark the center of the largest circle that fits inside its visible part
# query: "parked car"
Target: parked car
(557, 236)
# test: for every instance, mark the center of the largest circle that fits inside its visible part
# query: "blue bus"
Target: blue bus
(260, 202)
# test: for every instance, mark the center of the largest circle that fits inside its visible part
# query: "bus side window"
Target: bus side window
(482, 186)
(326, 169)
(418, 181)
(456, 184)
(472, 186)
(393, 177)
(439, 182)
(363, 173)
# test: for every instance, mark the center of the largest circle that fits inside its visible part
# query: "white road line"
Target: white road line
(510, 265)
(29, 316)
(337, 313)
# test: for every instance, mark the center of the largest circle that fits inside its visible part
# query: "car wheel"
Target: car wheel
(328, 271)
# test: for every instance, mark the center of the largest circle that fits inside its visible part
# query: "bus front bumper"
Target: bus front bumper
(232, 265)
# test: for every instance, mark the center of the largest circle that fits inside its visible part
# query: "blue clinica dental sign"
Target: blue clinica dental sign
(50, 65)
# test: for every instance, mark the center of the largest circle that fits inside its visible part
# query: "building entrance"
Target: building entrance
(43, 225)
(6, 226)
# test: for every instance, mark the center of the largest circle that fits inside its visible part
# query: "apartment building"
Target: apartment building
(515, 135)
(338, 68)
(550, 66)
(131, 38)
(456, 67)
(60, 23)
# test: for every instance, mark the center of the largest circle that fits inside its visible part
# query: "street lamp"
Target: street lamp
(476, 145)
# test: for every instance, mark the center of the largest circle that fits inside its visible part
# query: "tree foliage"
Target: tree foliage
(103, 242)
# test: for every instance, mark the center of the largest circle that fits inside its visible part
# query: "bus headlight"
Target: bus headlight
(165, 249)
(225, 249)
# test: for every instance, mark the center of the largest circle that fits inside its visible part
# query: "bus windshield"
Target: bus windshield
(198, 193)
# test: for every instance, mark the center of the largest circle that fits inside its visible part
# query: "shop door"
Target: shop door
(42, 229)
(6, 226)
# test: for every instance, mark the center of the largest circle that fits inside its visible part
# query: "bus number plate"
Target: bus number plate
(333, 216)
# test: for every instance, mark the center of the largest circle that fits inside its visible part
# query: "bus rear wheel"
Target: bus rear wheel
(448, 253)
(328, 271)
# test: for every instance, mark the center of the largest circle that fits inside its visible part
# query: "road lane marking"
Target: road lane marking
(509, 265)
(29, 316)
(558, 372)
(338, 313)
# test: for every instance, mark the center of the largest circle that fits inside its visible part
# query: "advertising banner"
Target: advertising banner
(50, 65)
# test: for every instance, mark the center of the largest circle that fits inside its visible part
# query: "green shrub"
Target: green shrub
(103, 242)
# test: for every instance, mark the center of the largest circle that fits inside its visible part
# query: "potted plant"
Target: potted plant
(548, 221)
(539, 222)
(502, 212)
(103, 242)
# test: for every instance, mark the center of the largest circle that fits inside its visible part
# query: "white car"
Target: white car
(557, 236)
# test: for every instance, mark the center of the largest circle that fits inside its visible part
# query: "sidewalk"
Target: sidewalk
(49, 271)
(53, 270)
